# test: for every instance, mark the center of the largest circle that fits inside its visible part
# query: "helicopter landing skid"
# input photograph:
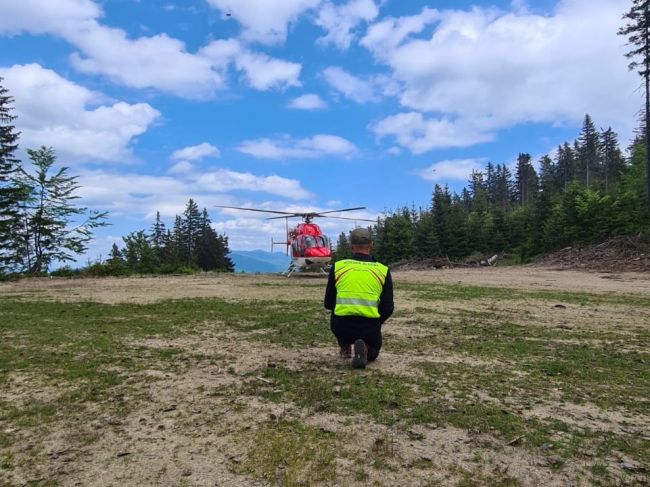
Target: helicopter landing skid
(294, 269)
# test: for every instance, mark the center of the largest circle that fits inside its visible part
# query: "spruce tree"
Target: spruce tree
(478, 192)
(566, 166)
(178, 242)
(613, 160)
(441, 213)
(588, 154)
(158, 231)
(342, 250)
(547, 175)
(192, 230)
(503, 188)
(208, 246)
(426, 240)
(139, 253)
(115, 262)
(526, 180)
(637, 31)
(49, 232)
(10, 195)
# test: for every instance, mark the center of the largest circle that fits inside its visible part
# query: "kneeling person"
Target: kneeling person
(360, 294)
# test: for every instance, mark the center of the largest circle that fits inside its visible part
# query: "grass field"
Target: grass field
(488, 377)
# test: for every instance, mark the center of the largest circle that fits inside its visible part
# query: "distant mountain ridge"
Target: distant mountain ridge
(259, 261)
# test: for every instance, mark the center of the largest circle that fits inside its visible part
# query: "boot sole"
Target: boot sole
(359, 360)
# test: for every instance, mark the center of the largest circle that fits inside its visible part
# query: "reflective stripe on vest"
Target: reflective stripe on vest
(358, 287)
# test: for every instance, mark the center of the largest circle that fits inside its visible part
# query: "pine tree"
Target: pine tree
(47, 235)
(10, 195)
(637, 31)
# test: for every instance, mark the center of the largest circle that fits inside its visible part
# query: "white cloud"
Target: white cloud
(510, 67)
(141, 195)
(308, 101)
(384, 36)
(260, 71)
(356, 89)
(266, 22)
(456, 169)
(182, 167)
(196, 152)
(263, 72)
(43, 17)
(159, 62)
(289, 148)
(341, 20)
(155, 62)
(222, 180)
(53, 111)
(419, 134)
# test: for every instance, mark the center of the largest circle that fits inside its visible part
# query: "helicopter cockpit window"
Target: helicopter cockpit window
(324, 242)
(310, 242)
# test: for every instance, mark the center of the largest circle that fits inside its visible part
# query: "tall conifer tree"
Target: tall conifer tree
(637, 31)
(589, 163)
(9, 191)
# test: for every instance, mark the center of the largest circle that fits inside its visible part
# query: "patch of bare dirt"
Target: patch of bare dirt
(592, 417)
(271, 287)
(188, 433)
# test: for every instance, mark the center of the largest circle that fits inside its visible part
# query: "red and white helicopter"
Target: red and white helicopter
(311, 249)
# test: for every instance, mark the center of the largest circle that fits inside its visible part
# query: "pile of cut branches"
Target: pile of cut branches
(627, 253)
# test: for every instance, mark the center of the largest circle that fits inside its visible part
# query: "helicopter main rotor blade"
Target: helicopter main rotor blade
(255, 209)
(345, 209)
(289, 215)
(353, 219)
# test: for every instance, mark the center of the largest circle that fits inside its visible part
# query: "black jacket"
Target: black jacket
(386, 304)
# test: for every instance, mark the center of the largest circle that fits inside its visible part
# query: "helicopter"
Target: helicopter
(311, 249)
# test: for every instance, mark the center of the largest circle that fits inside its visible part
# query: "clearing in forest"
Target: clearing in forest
(513, 376)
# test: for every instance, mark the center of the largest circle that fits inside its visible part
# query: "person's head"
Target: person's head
(360, 241)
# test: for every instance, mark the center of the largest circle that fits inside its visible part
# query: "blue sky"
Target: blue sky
(302, 104)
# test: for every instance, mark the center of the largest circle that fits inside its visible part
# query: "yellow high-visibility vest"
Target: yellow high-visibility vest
(358, 287)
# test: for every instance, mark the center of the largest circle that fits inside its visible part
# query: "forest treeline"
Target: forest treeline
(42, 226)
(587, 191)
(191, 245)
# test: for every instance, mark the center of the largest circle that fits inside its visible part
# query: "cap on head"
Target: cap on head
(360, 236)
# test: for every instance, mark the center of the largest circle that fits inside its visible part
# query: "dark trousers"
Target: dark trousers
(347, 330)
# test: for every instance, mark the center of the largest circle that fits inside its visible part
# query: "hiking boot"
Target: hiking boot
(346, 352)
(360, 358)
